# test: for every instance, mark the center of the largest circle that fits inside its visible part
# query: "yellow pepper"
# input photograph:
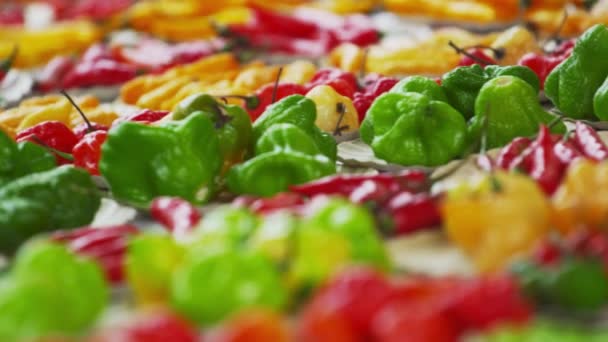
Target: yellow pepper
(496, 218)
(256, 76)
(516, 41)
(58, 111)
(299, 72)
(154, 98)
(101, 115)
(335, 113)
(582, 198)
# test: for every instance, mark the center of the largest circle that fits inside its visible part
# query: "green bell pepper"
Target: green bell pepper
(65, 197)
(572, 85)
(50, 291)
(511, 108)
(20, 159)
(182, 158)
(301, 112)
(462, 85)
(284, 155)
(412, 129)
(232, 124)
(422, 85)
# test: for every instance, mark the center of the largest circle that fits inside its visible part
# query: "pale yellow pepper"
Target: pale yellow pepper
(496, 219)
(299, 72)
(58, 111)
(336, 114)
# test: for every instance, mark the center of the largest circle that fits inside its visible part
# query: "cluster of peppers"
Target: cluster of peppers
(301, 33)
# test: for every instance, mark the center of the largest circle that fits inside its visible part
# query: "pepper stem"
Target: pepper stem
(276, 85)
(90, 127)
(341, 110)
(499, 53)
(251, 102)
(471, 56)
(7, 63)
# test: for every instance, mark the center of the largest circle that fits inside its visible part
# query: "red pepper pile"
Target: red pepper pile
(361, 304)
(542, 65)
(305, 33)
(581, 243)
(547, 157)
(67, 10)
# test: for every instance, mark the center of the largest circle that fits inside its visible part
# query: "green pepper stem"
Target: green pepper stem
(276, 86)
(90, 127)
(251, 102)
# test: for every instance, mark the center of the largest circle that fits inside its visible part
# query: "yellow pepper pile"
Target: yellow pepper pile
(218, 75)
(33, 111)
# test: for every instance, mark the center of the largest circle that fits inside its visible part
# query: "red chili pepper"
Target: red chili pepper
(412, 212)
(546, 169)
(12, 15)
(83, 129)
(280, 201)
(362, 102)
(565, 48)
(101, 72)
(52, 73)
(374, 85)
(106, 245)
(541, 65)
(566, 151)
(507, 158)
(87, 152)
(345, 184)
(94, 9)
(96, 53)
(343, 82)
(286, 25)
(265, 94)
(358, 30)
(53, 134)
(7, 63)
(370, 191)
(144, 116)
(476, 56)
(177, 215)
(589, 142)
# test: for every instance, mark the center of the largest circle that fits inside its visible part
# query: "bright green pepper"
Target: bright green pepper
(422, 85)
(511, 108)
(301, 112)
(462, 85)
(544, 331)
(572, 85)
(50, 291)
(232, 124)
(412, 129)
(208, 287)
(600, 102)
(182, 158)
(227, 225)
(22, 159)
(284, 155)
(65, 197)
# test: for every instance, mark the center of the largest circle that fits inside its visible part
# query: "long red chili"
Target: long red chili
(589, 142)
(547, 169)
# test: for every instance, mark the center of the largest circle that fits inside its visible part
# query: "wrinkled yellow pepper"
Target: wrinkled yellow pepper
(582, 198)
(336, 114)
(496, 218)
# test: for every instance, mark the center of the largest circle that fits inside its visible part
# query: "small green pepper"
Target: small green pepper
(462, 85)
(232, 124)
(227, 225)
(600, 102)
(284, 155)
(412, 129)
(22, 159)
(571, 86)
(301, 112)
(182, 158)
(208, 287)
(65, 197)
(422, 85)
(511, 108)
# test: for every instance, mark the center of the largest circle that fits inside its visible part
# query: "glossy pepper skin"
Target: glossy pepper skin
(462, 85)
(422, 85)
(572, 85)
(509, 107)
(600, 102)
(496, 218)
(284, 155)
(53, 134)
(22, 158)
(182, 158)
(232, 124)
(301, 112)
(64, 197)
(87, 152)
(412, 129)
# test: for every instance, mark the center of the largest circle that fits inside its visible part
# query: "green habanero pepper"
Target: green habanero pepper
(20, 159)
(232, 124)
(462, 85)
(284, 155)
(600, 102)
(571, 86)
(181, 158)
(511, 108)
(301, 112)
(422, 85)
(412, 129)
(65, 197)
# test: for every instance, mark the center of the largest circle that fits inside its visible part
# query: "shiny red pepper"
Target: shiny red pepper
(53, 134)
(374, 85)
(508, 156)
(343, 82)
(541, 65)
(106, 245)
(286, 25)
(97, 52)
(566, 151)
(51, 75)
(279, 201)
(344, 185)
(546, 168)
(357, 29)
(99, 73)
(7, 63)
(87, 152)
(476, 56)
(589, 142)
(411, 212)
(175, 214)
(362, 102)
(83, 129)
(264, 96)
(144, 116)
